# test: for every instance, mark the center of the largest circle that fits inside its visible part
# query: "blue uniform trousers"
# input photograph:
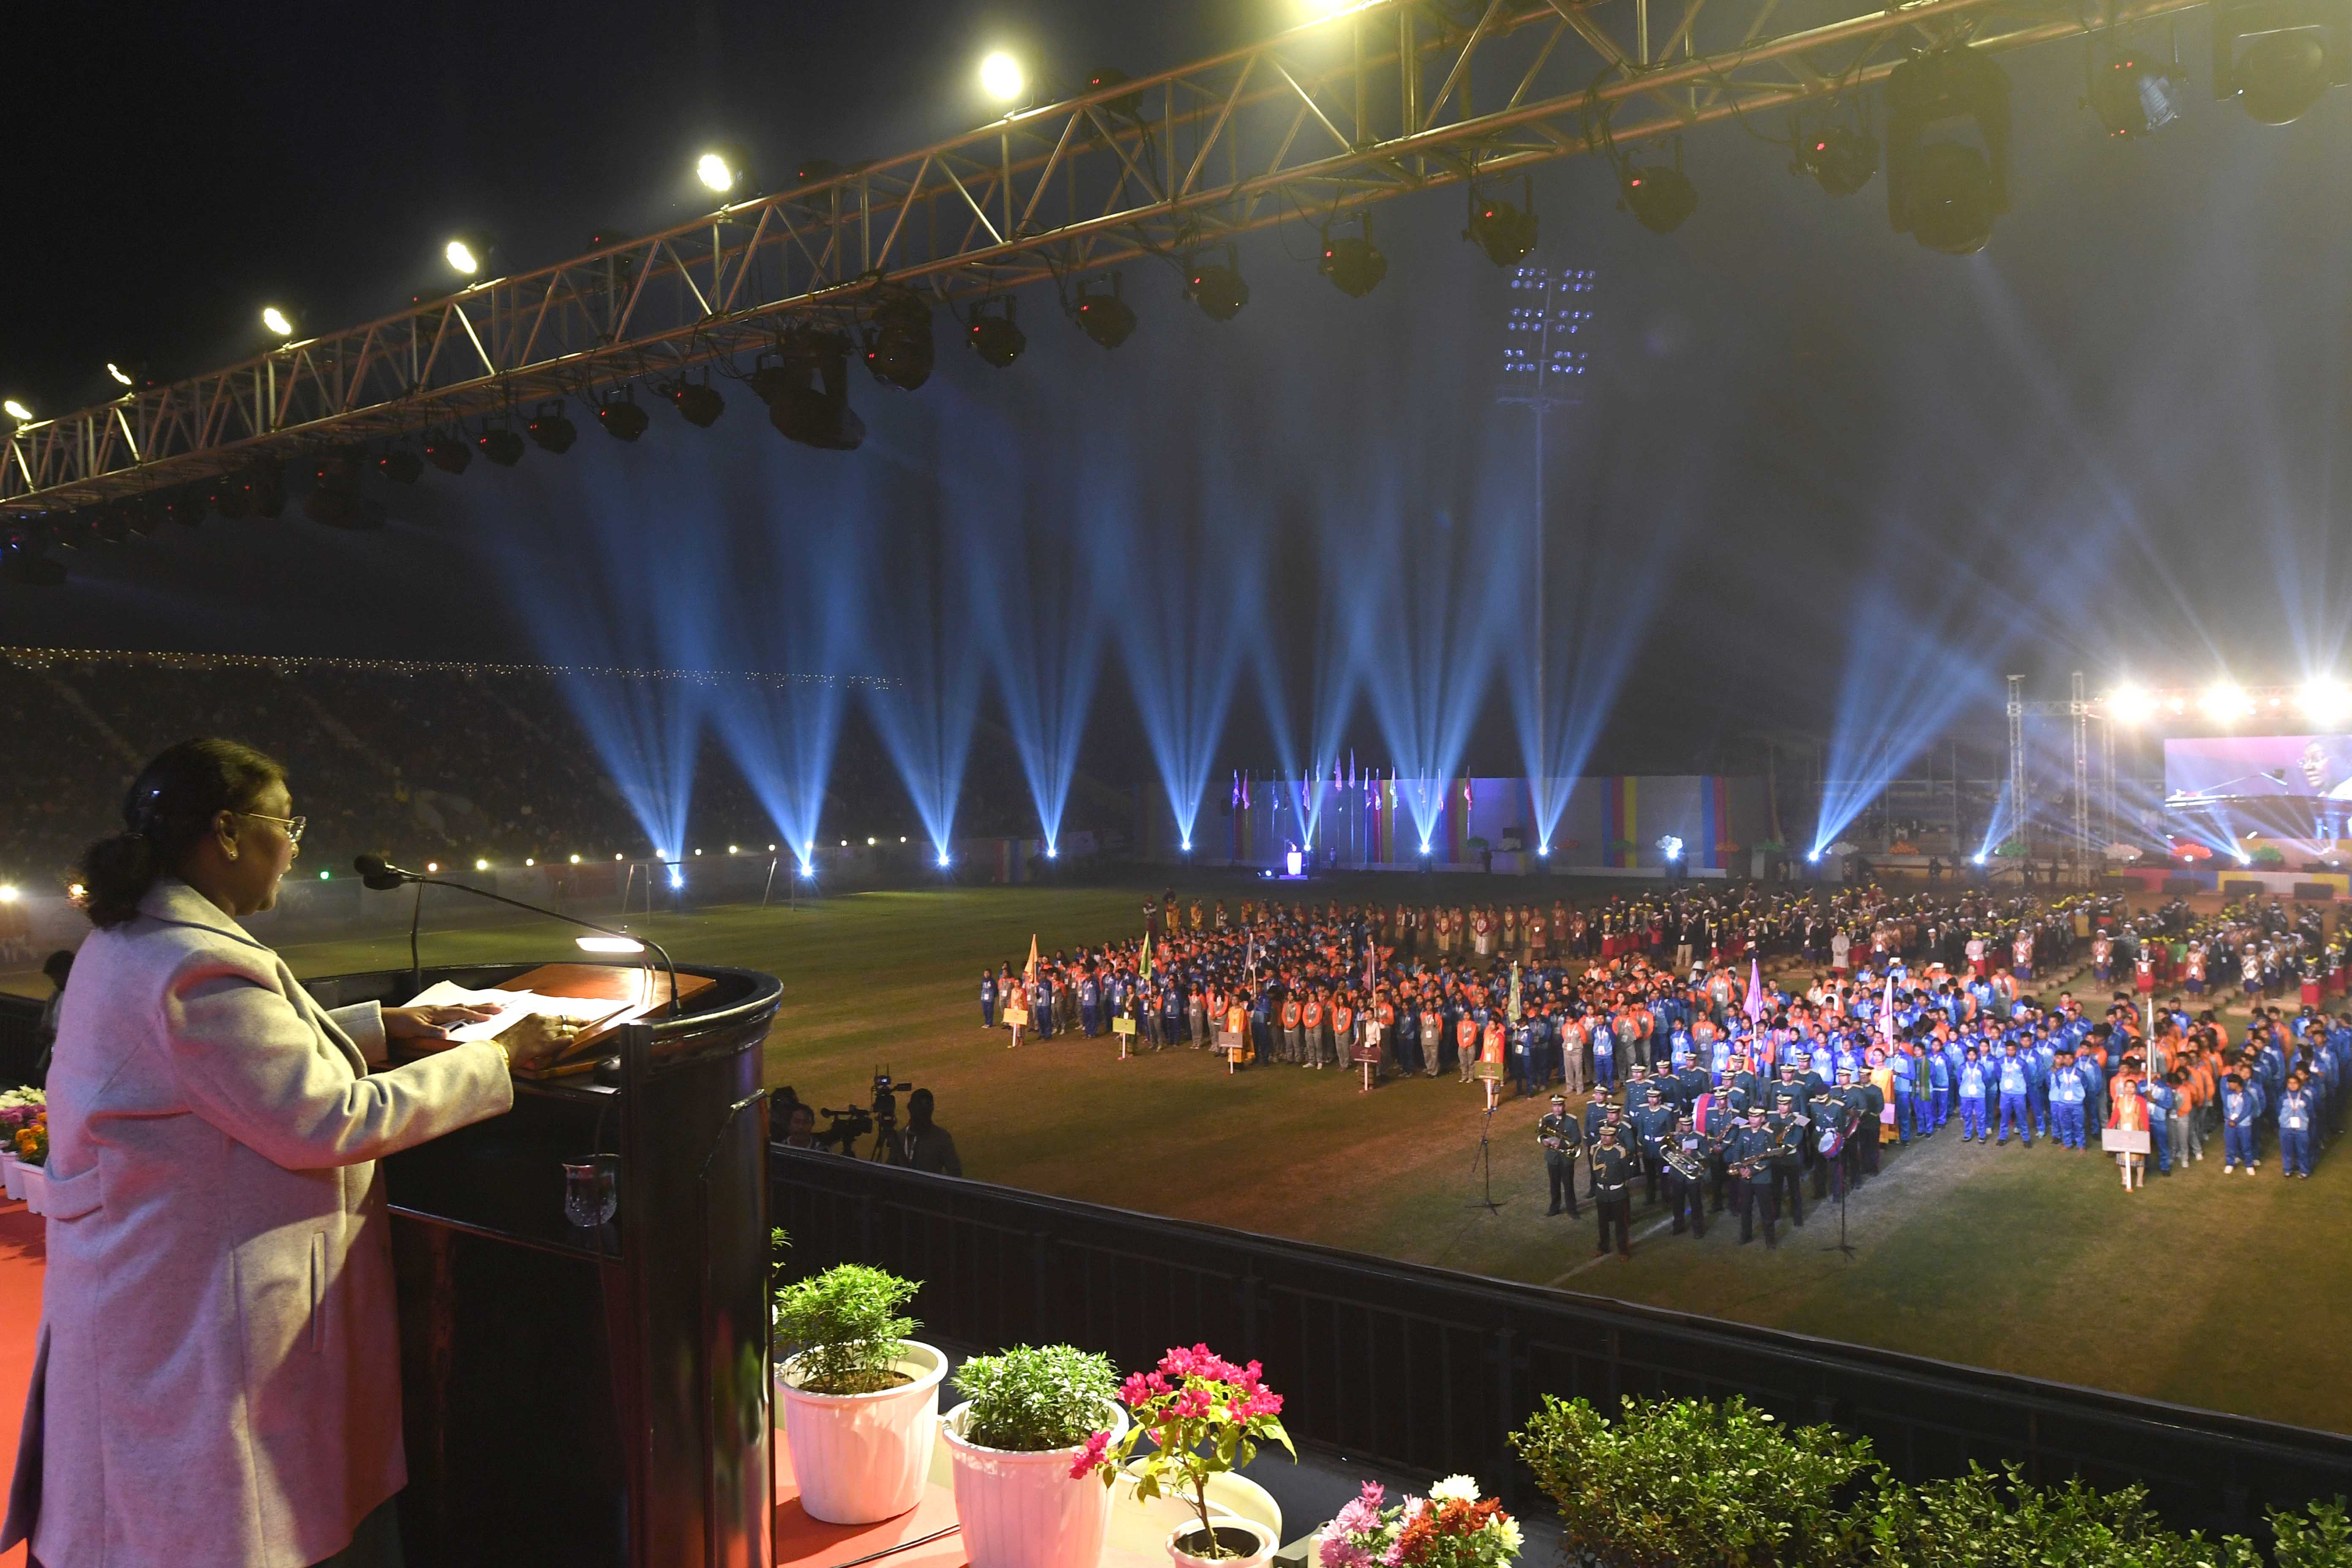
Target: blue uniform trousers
(2067, 1120)
(2015, 1108)
(2237, 1144)
(2295, 1151)
(1972, 1116)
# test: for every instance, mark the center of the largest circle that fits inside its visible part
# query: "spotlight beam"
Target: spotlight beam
(551, 332)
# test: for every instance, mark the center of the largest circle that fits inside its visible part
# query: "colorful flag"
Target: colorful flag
(1755, 990)
(1515, 990)
(1886, 1011)
(1030, 974)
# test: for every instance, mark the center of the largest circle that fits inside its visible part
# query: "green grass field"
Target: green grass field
(2201, 1289)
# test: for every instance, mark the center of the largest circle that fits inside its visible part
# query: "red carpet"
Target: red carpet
(23, 1255)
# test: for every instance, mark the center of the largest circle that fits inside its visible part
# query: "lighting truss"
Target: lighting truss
(1383, 99)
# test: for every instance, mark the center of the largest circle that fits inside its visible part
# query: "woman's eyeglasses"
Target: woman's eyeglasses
(292, 824)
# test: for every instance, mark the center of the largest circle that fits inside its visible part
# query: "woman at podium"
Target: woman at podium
(218, 1378)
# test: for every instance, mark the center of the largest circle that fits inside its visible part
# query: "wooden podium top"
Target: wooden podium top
(645, 989)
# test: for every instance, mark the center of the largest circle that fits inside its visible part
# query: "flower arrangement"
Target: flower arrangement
(18, 1106)
(32, 1142)
(1032, 1399)
(1452, 1526)
(845, 1326)
(1205, 1416)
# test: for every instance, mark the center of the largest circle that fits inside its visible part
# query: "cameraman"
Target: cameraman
(925, 1144)
(799, 1123)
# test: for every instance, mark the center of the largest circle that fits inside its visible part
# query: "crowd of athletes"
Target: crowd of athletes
(1707, 1086)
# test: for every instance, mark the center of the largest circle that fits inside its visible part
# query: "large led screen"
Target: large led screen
(2214, 767)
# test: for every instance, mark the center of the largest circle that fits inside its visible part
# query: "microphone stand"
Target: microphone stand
(424, 881)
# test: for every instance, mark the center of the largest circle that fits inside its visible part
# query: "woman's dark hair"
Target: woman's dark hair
(170, 808)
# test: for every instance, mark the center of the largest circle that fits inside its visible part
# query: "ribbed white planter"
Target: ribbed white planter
(1266, 1544)
(1023, 1510)
(861, 1458)
(36, 1181)
(9, 1167)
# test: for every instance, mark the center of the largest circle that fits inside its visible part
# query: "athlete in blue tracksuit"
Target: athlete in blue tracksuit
(2015, 1082)
(1900, 1064)
(1090, 1006)
(1604, 1056)
(2241, 1110)
(1972, 1098)
(987, 1000)
(2038, 1056)
(2160, 1103)
(2294, 1115)
(2066, 1096)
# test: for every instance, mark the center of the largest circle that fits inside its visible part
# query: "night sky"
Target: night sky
(1828, 482)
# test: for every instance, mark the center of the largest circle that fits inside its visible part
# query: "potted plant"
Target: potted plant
(861, 1400)
(1024, 1445)
(1205, 1416)
(1452, 1526)
(33, 1157)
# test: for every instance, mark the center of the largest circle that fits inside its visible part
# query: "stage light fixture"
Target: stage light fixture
(1424, 847)
(1945, 195)
(1977, 858)
(1659, 195)
(2326, 702)
(500, 446)
(116, 374)
(266, 485)
(807, 388)
(2292, 51)
(943, 856)
(1053, 854)
(467, 254)
(1106, 318)
(1000, 77)
(1353, 265)
(1544, 849)
(995, 338)
(1505, 233)
(898, 338)
(16, 408)
(449, 454)
(1218, 291)
(622, 418)
(2132, 90)
(481, 864)
(549, 430)
(2129, 705)
(1127, 105)
(724, 171)
(2223, 701)
(279, 321)
(230, 497)
(334, 499)
(697, 403)
(185, 508)
(400, 466)
(1839, 158)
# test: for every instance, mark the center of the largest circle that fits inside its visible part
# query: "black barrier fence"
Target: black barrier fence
(1427, 1371)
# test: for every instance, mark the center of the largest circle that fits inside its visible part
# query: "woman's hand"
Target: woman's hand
(538, 1038)
(434, 1023)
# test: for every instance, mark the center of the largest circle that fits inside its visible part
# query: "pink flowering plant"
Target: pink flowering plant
(1204, 1416)
(1452, 1526)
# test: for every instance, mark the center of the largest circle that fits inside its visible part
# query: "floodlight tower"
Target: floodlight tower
(2017, 759)
(1546, 329)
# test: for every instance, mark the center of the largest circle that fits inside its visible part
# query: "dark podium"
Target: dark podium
(595, 1397)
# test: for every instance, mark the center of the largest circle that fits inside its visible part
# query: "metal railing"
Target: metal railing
(1428, 1370)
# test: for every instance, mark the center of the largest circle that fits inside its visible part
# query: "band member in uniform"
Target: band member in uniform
(1610, 1179)
(1562, 1141)
(1685, 1177)
(1754, 1192)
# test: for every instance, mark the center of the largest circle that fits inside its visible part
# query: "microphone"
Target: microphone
(379, 873)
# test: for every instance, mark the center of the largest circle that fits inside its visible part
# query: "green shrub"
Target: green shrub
(2320, 1537)
(1995, 1520)
(1032, 1399)
(1674, 1482)
(843, 1325)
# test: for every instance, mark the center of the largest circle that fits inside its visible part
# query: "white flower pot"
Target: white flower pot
(36, 1183)
(1266, 1544)
(861, 1458)
(1022, 1509)
(10, 1165)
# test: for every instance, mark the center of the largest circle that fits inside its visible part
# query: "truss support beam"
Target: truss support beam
(1157, 167)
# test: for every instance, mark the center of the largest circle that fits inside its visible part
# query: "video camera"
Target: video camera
(879, 1116)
